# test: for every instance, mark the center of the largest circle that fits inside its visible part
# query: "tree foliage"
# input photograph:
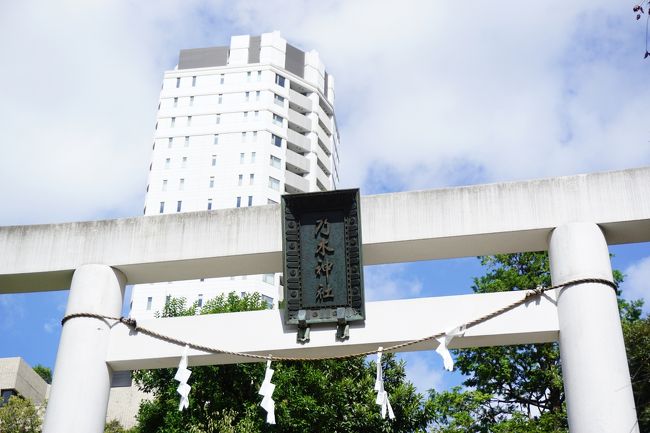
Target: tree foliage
(44, 372)
(515, 388)
(519, 379)
(114, 426)
(19, 415)
(637, 343)
(325, 395)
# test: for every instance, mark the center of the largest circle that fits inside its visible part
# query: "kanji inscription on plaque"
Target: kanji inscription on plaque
(323, 273)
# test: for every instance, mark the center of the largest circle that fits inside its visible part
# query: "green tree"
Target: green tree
(637, 343)
(44, 372)
(114, 426)
(512, 388)
(20, 415)
(310, 396)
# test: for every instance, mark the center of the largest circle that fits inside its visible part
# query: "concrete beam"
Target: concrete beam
(399, 227)
(387, 323)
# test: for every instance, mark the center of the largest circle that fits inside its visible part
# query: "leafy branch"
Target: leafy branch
(639, 11)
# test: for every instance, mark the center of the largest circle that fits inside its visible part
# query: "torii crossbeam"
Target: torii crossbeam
(574, 218)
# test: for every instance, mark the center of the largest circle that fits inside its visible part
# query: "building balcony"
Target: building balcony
(295, 183)
(299, 122)
(297, 163)
(304, 103)
(323, 158)
(297, 142)
(324, 118)
(324, 139)
(323, 179)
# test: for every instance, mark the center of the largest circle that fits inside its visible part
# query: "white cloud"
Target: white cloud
(637, 282)
(390, 282)
(437, 93)
(424, 371)
(12, 311)
(428, 93)
(51, 326)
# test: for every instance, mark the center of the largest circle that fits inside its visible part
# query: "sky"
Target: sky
(429, 94)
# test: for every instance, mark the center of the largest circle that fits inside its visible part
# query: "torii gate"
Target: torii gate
(574, 218)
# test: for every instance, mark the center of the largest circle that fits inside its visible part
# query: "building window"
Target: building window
(173, 122)
(238, 201)
(149, 302)
(254, 135)
(247, 96)
(164, 185)
(257, 95)
(214, 160)
(278, 100)
(209, 204)
(268, 278)
(199, 301)
(179, 204)
(274, 183)
(168, 162)
(269, 201)
(218, 121)
(277, 141)
(268, 300)
(248, 76)
(211, 181)
(194, 81)
(162, 207)
(187, 141)
(240, 179)
(257, 114)
(191, 101)
(243, 137)
(220, 98)
(175, 102)
(170, 140)
(241, 158)
(275, 162)
(259, 75)
(222, 79)
(252, 157)
(189, 120)
(278, 120)
(245, 116)
(250, 200)
(279, 80)
(178, 82)
(181, 184)
(251, 179)
(184, 162)
(215, 139)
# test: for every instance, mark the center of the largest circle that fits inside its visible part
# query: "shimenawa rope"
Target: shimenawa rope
(530, 294)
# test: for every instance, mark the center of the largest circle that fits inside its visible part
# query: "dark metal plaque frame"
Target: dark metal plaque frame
(298, 210)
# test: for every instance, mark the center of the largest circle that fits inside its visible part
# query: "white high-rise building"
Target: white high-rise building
(238, 125)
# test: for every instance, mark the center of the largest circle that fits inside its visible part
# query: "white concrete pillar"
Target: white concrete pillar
(81, 384)
(594, 364)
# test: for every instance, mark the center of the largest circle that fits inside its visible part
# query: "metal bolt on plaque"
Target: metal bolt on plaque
(323, 267)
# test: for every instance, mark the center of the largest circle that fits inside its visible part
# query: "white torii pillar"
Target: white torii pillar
(82, 379)
(594, 364)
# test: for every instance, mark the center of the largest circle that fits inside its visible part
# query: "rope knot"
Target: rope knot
(535, 292)
(128, 321)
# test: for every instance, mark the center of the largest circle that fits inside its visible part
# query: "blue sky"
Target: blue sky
(428, 94)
